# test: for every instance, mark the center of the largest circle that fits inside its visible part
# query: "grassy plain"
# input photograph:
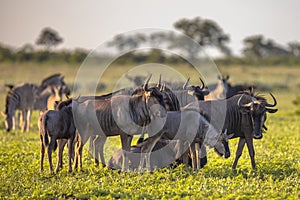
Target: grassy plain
(278, 154)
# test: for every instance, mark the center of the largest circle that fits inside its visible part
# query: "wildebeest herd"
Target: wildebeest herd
(179, 123)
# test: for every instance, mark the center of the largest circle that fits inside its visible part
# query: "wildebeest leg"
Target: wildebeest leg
(71, 150)
(197, 154)
(126, 142)
(28, 116)
(23, 120)
(50, 149)
(146, 151)
(239, 151)
(98, 143)
(249, 142)
(42, 153)
(78, 152)
(203, 156)
(60, 145)
(91, 146)
(193, 154)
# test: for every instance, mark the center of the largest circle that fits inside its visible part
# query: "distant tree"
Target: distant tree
(294, 48)
(25, 53)
(5, 54)
(206, 32)
(49, 38)
(258, 46)
(127, 42)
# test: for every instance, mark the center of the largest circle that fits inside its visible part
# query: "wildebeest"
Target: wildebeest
(134, 156)
(220, 91)
(57, 124)
(21, 98)
(122, 115)
(186, 126)
(243, 116)
(27, 97)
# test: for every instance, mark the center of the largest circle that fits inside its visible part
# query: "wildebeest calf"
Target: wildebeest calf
(57, 124)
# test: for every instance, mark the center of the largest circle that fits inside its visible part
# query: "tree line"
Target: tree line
(257, 49)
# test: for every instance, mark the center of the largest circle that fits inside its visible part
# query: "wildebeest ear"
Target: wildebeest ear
(270, 110)
(205, 92)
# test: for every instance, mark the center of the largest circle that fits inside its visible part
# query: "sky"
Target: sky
(89, 23)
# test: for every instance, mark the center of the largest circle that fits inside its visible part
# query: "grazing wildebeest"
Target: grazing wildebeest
(184, 125)
(27, 97)
(243, 116)
(122, 115)
(220, 91)
(57, 124)
(21, 98)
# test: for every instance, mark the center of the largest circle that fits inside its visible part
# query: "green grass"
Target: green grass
(277, 155)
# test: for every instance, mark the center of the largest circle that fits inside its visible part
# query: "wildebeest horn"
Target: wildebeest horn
(275, 102)
(159, 81)
(203, 85)
(186, 83)
(146, 82)
(245, 105)
(264, 127)
(162, 87)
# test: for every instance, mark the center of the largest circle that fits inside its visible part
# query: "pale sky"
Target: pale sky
(89, 23)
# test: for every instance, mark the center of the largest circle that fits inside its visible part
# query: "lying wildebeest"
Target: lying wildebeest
(57, 124)
(243, 116)
(122, 115)
(186, 126)
(168, 155)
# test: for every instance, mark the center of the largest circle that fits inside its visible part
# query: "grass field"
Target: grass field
(278, 154)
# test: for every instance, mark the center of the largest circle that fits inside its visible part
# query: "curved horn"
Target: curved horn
(186, 83)
(245, 105)
(203, 85)
(275, 102)
(163, 87)
(146, 82)
(159, 81)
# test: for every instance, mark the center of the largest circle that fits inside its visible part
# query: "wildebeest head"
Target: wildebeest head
(56, 80)
(223, 82)
(198, 91)
(257, 109)
(8, 121)
(154, 100)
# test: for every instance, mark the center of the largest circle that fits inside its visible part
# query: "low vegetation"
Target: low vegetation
(277, 154)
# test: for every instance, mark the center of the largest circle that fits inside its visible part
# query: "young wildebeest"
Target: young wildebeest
(243, 116)
(122, 115)
(219, 92)
(186, 126)
(57, 124)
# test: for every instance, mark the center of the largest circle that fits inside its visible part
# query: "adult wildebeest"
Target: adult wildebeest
(243, 116)
(122, 115)
(27, 97)
(186, 126)
(21, 98)
(57, 124)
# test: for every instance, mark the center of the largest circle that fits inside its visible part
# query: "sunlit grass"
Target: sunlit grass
(277, 154)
